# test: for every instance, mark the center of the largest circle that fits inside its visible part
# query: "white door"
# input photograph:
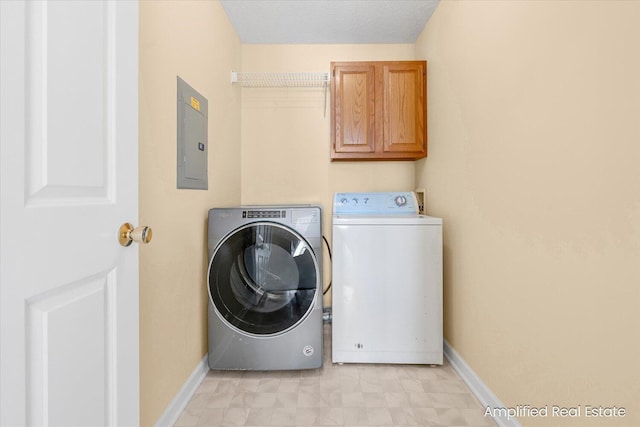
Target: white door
(69, 156)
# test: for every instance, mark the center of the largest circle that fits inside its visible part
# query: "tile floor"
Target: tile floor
(336, 395)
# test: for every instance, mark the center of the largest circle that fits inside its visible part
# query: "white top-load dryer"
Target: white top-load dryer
(387, 280)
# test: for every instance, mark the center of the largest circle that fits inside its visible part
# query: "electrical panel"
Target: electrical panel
(192, 138)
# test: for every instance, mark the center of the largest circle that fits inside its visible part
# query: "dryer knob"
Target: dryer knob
(401, 200)
(344, 201)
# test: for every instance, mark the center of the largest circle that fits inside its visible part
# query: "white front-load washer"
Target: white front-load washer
(265, 288)
(387, 280)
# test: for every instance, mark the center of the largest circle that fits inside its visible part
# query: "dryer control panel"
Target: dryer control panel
(378, 203)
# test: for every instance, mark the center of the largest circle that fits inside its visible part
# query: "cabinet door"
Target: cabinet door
(404, 94)
(353, 107)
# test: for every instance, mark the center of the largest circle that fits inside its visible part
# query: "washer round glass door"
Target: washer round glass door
(263, 278)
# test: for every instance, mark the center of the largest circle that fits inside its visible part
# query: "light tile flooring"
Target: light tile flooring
(336, 395)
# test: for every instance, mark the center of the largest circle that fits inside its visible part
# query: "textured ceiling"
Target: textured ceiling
(328, 21)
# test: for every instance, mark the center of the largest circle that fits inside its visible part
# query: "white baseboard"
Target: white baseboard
(477, 387)
(175, 408)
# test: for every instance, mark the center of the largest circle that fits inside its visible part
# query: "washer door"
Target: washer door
(263, 278)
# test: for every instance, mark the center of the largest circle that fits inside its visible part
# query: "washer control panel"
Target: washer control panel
(381, 203)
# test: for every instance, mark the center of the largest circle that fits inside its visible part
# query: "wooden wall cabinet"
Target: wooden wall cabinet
(378, 110)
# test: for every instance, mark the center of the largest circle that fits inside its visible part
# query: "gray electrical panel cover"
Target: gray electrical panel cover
(192, 138)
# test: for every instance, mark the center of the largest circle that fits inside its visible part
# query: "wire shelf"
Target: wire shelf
(250, 79)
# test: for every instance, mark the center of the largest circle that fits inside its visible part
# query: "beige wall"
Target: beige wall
(534, 146)
(195, 41)
(285, 134)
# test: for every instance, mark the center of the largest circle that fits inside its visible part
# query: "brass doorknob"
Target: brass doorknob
(127, 234)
